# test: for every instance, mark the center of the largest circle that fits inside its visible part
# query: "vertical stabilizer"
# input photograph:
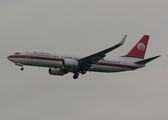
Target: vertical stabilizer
(140, 48)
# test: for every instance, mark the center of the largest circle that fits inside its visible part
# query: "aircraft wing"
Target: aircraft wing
(100, 55)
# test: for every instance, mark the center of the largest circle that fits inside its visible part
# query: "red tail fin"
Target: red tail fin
(140, 48)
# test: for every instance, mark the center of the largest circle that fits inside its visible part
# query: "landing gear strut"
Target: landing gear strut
(18, 64)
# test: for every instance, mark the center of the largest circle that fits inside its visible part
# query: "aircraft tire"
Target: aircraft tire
(22, 69)
(75, 76)
(83, 72)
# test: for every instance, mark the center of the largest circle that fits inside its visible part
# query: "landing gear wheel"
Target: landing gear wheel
(75, 76)
(83, 72)
(22, 69)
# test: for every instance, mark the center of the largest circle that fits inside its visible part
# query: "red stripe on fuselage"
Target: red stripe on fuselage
(61, 59)
(36, 57)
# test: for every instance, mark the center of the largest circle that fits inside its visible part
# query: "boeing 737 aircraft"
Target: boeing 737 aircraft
(59, 64)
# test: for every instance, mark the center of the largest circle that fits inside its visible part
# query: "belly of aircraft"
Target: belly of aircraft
(100, 68)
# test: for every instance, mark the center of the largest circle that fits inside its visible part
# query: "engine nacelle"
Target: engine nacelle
(56, 71)
(70, 64)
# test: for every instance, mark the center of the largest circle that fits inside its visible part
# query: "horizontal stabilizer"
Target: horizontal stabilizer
(147, 60)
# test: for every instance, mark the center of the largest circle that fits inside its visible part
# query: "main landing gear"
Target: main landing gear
(76, 74)
(83, 72)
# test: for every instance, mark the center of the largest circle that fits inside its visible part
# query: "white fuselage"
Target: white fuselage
(59, 64)
(50, 60)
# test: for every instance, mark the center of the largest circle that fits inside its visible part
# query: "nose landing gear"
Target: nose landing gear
(18, 64)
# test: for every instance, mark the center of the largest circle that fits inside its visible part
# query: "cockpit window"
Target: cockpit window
(17, 53)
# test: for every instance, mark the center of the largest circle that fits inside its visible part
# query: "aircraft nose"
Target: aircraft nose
(9, 57)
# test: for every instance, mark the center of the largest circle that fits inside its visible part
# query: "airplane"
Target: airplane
(60, 64)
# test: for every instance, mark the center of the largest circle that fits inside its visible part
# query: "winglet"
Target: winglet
(123, 40)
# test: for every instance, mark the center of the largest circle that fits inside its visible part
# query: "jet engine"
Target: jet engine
(56, 71)
(70, 64)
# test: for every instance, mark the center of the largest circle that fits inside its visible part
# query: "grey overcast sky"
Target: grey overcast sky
(83, 27)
